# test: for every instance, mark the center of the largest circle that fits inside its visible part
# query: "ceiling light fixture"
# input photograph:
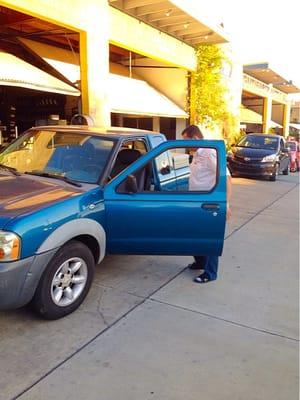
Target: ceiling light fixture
(168, 13)
(186, 25)
(206, 35)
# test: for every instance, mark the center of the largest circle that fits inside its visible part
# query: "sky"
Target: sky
(259, 30)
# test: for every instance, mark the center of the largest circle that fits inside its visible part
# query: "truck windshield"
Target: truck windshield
(76, 156)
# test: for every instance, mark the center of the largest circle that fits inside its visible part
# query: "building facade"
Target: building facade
(124, 62)
(266, 103)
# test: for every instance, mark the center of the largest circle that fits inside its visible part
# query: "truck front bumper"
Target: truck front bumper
(19, 279)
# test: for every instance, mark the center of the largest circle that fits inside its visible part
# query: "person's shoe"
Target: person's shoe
(194, 266)
(203, 278)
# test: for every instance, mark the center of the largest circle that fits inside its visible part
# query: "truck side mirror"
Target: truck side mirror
(131, 184)
(165, 170)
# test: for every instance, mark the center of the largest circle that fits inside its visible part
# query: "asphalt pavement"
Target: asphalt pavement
(147, 331)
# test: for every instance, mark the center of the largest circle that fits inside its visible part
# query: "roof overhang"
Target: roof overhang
(174, 18)
(18, 73)
(266, 74)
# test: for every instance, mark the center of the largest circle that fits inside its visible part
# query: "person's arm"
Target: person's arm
(212, 160)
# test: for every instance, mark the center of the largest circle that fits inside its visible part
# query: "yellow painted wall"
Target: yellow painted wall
(129, 33)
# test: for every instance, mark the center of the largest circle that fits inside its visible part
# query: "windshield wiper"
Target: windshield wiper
(10, 169)
(55, 176)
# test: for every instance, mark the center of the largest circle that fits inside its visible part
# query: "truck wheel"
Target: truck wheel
(65, 282)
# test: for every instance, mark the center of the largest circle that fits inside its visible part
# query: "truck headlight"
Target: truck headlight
(270, 158)
(10, 246)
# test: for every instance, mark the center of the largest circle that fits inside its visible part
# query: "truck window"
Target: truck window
(130, 151)
(157, 140)
(173, 172)
(176, 171)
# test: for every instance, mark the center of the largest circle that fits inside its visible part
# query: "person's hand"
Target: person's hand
(228, 212)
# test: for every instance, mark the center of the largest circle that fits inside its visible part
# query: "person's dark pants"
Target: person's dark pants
(210, 265)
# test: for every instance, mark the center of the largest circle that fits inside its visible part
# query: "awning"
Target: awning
(128, 95)
(248, 116)
(134, 96)
(295, 126)
(16, 72)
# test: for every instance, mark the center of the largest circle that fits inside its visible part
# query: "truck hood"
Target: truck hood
(20, 195)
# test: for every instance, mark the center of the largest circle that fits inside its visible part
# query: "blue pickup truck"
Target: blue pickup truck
(71, 194)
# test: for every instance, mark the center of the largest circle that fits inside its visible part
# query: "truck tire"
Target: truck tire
(65, 282)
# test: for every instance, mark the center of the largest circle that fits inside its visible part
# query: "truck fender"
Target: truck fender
(71, 229)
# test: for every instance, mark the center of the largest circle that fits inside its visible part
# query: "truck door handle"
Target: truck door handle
(210, 206)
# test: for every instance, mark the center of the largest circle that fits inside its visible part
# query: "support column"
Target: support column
(180, 126)
(286, 119)
(267, 113)
(94, 69)
(156, 124)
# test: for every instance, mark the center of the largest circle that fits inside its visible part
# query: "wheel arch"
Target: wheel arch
(92, 243)
(85, 230)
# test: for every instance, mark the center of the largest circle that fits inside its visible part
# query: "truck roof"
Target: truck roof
(98, 130)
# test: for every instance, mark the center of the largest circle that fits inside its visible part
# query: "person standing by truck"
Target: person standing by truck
(202, 176)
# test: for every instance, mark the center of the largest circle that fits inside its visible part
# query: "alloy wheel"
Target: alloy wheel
(69, 281)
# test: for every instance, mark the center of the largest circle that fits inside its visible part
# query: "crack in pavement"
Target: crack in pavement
(100, 313)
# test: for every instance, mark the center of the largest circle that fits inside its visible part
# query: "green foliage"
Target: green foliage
(235, 137)
(207, 97)
(231, 132)
(209, 92)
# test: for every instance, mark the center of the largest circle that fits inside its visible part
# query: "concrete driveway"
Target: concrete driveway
(147, 331)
